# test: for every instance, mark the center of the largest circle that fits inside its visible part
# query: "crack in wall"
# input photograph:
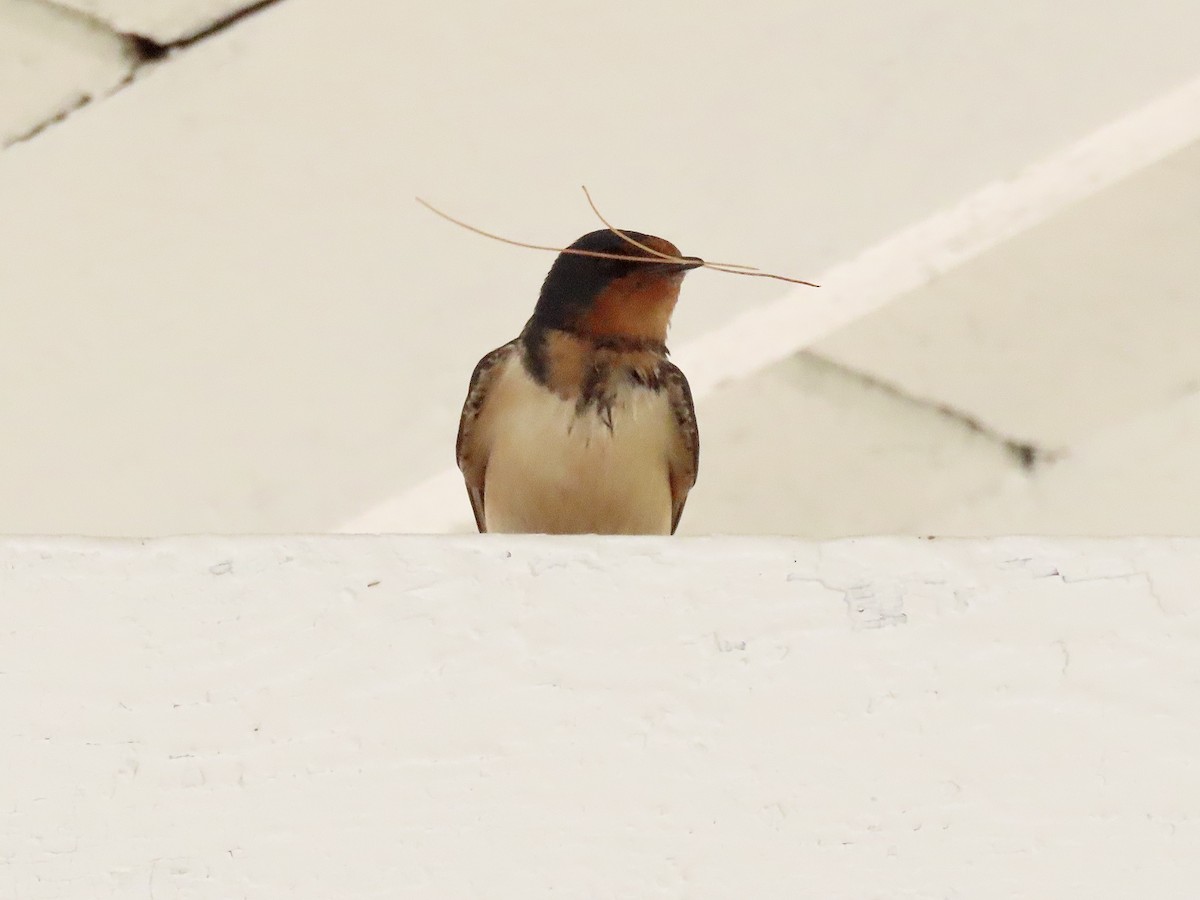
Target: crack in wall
(147, 50)
(141, 52)
(79, 103)
(1027, 455)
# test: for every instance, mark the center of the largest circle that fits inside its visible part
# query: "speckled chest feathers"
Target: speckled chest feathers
(597, 374)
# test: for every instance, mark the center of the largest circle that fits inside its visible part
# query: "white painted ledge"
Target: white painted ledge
(359, 717)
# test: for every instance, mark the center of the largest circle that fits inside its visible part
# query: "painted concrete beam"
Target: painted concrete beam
(1083, 322)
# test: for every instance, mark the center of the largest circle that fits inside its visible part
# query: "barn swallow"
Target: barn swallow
(581, 425)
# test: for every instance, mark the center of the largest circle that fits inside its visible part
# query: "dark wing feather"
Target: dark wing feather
(685, 454)
(472, 458)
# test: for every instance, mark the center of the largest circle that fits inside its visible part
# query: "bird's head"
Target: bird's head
(599, 297)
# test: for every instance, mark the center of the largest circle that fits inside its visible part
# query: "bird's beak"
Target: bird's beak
(689, 262)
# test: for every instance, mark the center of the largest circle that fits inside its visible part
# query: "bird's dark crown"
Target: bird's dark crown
(574, 281)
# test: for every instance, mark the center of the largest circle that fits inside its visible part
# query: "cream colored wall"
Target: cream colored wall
(224, 313)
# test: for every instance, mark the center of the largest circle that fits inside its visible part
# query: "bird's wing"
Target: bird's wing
(470, 450)
(685, 450)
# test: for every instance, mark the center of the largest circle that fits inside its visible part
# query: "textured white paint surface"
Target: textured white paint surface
(525, 717)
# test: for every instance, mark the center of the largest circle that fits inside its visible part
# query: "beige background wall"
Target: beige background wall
(224, 312)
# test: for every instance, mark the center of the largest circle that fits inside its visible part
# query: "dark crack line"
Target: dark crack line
(141, 51)
(61, 116)
(147, 50)
(1027, 455)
